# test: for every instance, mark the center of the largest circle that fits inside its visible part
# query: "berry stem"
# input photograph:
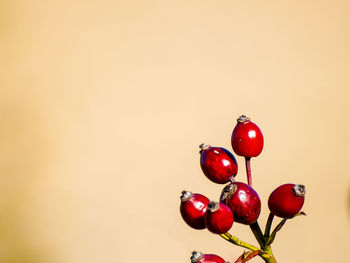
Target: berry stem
(239, 242)
(274, 232)
(266, 254)
(249, 171)
(258, 234)
(268, 226)
(268, 257)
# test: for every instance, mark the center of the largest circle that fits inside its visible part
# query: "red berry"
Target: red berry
(287, 200)
(198, 257)
(244, 202)
(247, 139)
(193, 208)
(217, 163)
(219, 218)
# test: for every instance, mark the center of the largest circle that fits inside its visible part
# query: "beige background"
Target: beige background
(104, 103)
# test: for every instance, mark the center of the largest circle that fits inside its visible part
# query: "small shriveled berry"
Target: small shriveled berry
(193, 208)
(198, 257)
(244, 202)
(217, 163)
(247, 139)
(219, 218)
(287, 200)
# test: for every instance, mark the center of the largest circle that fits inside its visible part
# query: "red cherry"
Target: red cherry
(287, 200)
(244, 202)
(198, 257)
(193, 208)
(217, 163)
(219, 218)
(247, 139)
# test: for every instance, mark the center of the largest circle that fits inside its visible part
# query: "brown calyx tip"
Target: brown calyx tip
(196, 256)
(299, 189)
(185, 195)
(243, 119)
(213, 206)
(203, 147)
(228, 191)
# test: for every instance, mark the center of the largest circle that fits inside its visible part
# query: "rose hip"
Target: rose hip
(247, 139)
(217, 163)
(244, 202)
(219, 218)
(193, 208)
(287, 200)
(198, 257)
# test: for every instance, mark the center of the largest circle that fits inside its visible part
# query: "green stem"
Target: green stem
(239, 242)
(266, 254)
(274, 232)
(258, 234)
(268, 226)
(268, 257)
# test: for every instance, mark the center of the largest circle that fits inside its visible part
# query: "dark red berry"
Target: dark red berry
(287, 200)
(247, 139)
(244, 202)
(193, 208)
(217, 163)
(198, 257)
(219, 218)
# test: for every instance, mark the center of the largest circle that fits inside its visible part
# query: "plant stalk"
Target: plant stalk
(258, 234)
(265, 254)
(268, 257)
(239, 242)
(268, 226)
(249, 172)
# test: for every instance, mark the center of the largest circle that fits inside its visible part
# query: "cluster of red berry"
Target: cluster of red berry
(239, 202)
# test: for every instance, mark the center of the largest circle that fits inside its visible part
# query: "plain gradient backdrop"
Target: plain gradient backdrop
(104, 103)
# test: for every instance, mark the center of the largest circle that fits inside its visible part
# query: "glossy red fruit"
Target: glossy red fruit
(287, 200)
(193, 208)
(198, 257)
(247, 139)
(219, 218)
(244, 202)
(217, 163)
